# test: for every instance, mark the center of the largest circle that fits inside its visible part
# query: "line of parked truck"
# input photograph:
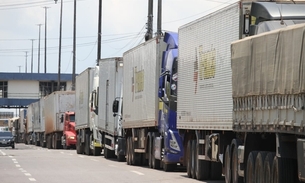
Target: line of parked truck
(239, 111)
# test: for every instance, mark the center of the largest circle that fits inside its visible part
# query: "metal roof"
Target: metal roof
(6, 76)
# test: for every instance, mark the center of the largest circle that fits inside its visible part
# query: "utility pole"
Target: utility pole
(149, 23)
(32, 56)
(74, 47)
(59, 55)
(26, 61)
(39, 47)
(159, 19)
(99, 40)
(45, 39)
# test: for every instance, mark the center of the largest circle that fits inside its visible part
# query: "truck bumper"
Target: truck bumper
(71, 142)
(173, 158)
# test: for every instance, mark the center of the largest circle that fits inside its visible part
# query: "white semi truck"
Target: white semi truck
(110, 89)
(241, 110)
(57, 105)
(89, 138)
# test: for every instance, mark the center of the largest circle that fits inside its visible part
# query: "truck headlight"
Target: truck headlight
(71, 137)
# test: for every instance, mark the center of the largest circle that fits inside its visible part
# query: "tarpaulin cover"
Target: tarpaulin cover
(269, 63)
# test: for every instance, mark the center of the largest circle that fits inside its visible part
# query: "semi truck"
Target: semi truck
(38, 123)
(237, 110)
(29, 125)
(89, 138)
(110, 89)
(59, 108)
(22, 123)
(148, 137)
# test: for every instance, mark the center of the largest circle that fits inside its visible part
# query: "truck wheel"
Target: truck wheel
(120, 158)
(268, 166)
(87, 144)
(169, 167)
(250, 176)
(259, 166)
(77, 145)
(155, 162)
(150, 149)
(128, 161)
(234, 169)
(189, 159)
(194, 159)
(227, 166)
(284, 170)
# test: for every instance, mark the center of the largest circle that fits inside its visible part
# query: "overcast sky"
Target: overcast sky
(123, 27)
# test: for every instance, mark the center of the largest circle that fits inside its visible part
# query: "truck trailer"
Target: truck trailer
(229, 125)
(59, 107)
(110, 89)
(22, 123)
(89, 138)
(29, 125)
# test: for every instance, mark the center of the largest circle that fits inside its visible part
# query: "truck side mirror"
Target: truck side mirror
(62, 118)
(115, 106)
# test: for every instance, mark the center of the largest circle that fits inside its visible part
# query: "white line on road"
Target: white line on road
(27, 174)
(32, 179)
(3, 153)
(10, 156)
(14, 159)
(112, 165)
(15, 162)
(18, 166)
(94, 159)
(81, 156)
(23, 171)
(62, 152)
(139, 173)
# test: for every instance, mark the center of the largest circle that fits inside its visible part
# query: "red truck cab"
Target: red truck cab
(69, 133)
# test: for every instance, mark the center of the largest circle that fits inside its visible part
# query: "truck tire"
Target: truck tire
(227, 165)
(87, 144)
(120, 158)
(259, 166)
(203, 167)
(150, 152)
(155, 162)
(234, 166)
(268, 167)
(250, 174)
(189, 159)
(128, 161)
(284, 170)
(194, 159)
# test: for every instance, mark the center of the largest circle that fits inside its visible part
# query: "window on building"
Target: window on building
(46, 88)
(3, 89)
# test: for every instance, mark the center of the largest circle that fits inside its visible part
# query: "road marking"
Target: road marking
(62, 152)
(81, 156)
(70, 154)
(15, 162)
(112, 165)
(3, 153)
(32, 179)
(14, 159)
(10, 156)
(18, 166)
(139, 173)
(23, 171)
(94, 160)
(27, 174)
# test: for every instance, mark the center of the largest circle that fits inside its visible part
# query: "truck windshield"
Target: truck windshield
(72, 118)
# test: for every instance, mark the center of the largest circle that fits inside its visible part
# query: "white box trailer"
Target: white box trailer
(56, 104)
(142, 68)
(39, 123)
(86, 112)
(22, 124)
(205, 104)
(110, 89)
(29, 124)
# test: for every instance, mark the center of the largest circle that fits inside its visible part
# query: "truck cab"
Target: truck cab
(172, 145)
(69, 133)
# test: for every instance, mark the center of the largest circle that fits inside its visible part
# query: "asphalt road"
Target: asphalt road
(28, 163)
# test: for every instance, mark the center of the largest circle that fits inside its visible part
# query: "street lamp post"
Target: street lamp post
(39, 47)
(59, 54)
